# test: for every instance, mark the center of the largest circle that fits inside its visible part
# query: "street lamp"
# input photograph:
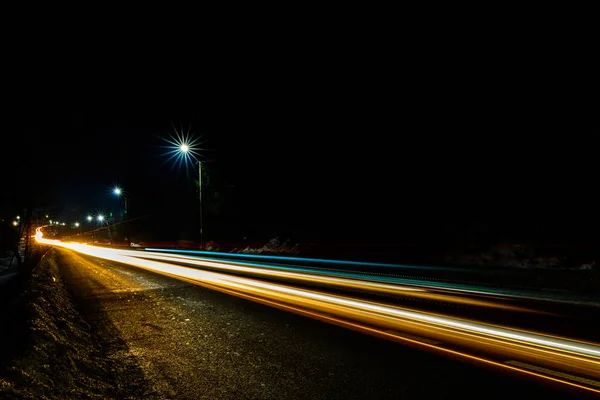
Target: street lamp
(118, 191)
(184, 149)
(101, 220)
(90, 218)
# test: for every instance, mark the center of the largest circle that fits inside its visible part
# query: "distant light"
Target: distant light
(63, 224)
(18, 217)
(76, 224)
(15, 223)
(50, 221)
(100, 217)
(117, 191)
(89, 218)
(184, 148)
(46, 215)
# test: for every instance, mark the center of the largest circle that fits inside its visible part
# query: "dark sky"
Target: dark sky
(383, 157)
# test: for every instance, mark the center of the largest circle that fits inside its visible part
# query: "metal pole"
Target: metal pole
(200, 197)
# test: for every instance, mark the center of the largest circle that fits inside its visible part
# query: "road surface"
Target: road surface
(177, 339)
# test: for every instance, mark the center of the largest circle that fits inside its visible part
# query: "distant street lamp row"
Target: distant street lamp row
(183, 149)
(100, 218)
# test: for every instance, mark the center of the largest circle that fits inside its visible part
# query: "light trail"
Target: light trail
(356, 282)
(474, 340)
(304, 260)
(394, 280)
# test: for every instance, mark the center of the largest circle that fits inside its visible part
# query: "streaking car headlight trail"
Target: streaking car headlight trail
(563, 360)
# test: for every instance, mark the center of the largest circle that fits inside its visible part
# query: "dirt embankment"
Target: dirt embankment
(48, 351)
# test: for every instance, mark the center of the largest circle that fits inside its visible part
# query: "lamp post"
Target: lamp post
(119, 192)
(90, 218)
(184, 148)
(101, 219)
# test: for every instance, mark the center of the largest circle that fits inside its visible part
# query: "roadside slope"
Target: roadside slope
(49, 351)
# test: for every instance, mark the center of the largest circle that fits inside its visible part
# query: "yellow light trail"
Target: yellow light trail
(486, 343)
(396, 289)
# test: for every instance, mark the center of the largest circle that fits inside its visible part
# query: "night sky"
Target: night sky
(321, 160)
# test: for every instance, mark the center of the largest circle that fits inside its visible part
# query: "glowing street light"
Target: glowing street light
(80, 230)
(90, 219)
(119, 192)
(101, 219)
(184, 149)
(15, 223)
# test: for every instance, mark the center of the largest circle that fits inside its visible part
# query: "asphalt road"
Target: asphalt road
(177, 340)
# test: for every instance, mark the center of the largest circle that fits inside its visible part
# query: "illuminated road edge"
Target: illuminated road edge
(560, 360)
